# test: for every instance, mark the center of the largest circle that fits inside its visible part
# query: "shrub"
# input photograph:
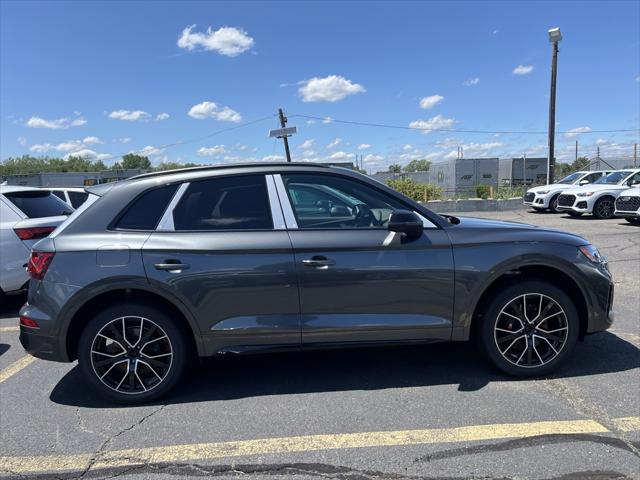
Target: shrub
(420, 192)
(483, 191)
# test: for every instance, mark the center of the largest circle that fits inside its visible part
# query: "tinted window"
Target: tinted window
(145, 212)
(37, 204)
(77, 198)
(60, 195)
(228, 203)
(613, 178)
(326, 201)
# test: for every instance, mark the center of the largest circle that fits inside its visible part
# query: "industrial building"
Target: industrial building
(464, 174)
(522, 171)
(71, 179)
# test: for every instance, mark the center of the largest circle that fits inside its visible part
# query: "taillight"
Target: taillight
(28, 322)
(33, 233)
(38, 264)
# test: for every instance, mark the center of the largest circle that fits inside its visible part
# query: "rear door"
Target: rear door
(222, 247)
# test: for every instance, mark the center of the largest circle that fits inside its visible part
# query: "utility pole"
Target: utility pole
(635, 155)
(524, 169)
(283, 124)
(554, 37)
(576, 152)
(598, 157)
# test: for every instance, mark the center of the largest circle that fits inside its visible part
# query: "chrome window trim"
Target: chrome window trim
(287, 210)
(277, 215)
(166, 221)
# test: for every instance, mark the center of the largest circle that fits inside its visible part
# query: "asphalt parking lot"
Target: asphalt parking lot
(435, 411)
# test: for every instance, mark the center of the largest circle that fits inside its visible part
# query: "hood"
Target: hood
(551, 186)
(595, 187)
(630, 192)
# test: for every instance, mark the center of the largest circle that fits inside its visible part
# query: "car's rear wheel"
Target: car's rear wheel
(132, 353)
(604, 208)
(529, 329)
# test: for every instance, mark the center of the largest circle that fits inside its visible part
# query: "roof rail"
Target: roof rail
(222, 166)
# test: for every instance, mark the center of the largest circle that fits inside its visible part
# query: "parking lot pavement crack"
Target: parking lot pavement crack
(571, 394)
(82, 426)
(100, 452)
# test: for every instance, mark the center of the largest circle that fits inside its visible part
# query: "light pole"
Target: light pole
(554, 37)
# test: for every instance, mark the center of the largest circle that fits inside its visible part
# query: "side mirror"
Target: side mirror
(404, 221)
(584, 182)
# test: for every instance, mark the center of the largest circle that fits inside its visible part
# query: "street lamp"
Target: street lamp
(554, 37)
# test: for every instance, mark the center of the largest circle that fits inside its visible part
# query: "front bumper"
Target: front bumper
(622, 213)
(538, 201)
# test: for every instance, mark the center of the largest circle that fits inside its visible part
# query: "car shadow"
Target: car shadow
(4, 348)
(248, 376)
(10, 305)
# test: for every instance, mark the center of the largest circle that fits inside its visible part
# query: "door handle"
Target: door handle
(171, 265)
(318, 261)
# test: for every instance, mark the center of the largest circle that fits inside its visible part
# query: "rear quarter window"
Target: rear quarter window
(145, 211)
(77, 198)
(38, 203)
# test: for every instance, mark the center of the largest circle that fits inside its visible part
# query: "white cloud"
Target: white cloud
(364, 146)
(129, 115)
(328, 89)
(22, 141)
(327, 120)
(123, 140)
(431, 101)
(307, 144)
(91, 140)
(310, 121)
(637, 78)
(228, 41)
(373, 158)
(341, 156)
(273, 158)
(574, 132)
(438, 122)
(407, 147)
(59, 123)
(211, 151)
(211, 110)
(335, 143)
(601, 141)
(68, 146)
(87, 154)
(470, 82)
(522, 70)
(149, 151)
(162, 116)
(495, 32)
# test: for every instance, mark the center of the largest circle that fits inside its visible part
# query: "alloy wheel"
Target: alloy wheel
(605, 208)
(131, 355)
(531, 330)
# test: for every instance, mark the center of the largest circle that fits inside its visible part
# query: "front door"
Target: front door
(223, 250)
(358, 281)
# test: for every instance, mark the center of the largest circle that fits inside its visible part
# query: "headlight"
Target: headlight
(543, 192)
(585, 194)
(592, 254)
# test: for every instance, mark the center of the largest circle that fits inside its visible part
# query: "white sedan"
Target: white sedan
(545, 197)
(599, 197)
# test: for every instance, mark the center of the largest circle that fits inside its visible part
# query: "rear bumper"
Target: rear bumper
(42, 346)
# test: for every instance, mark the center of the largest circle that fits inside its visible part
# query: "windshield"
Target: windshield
(39, 203)
(574, 177)
(613, 178)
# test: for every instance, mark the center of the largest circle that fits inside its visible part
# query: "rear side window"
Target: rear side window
(38, 203)
(60, 195)
(145, 212)
(227, 203)
(77, 198)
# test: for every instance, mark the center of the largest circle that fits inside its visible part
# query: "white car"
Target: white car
(628, 205)
(598, 197)
(26, 215)
(545, 197)
(74, 196)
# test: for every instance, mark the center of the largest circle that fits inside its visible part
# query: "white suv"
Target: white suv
(73, 196)
(628, 205)
(599, 197)
(26, 215)
(545, 197)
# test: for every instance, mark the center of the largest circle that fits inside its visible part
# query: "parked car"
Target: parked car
(545, 197)
(26, 216)
(628, 205)
(599, 197)
(255, 258)
(74, 196)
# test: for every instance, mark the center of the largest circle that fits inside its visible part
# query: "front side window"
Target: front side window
(225, 203)
(613, 178)
(330, 202)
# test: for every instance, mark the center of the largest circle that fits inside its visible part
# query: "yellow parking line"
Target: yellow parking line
(9, 329)
(209, 451)
(15, 367)
(627, 424)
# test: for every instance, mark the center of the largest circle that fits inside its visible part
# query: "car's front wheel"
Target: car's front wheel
(604, 208)
(529, 329)
(132, 353)
(553, 204)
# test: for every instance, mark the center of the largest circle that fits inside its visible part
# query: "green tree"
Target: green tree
(420, 192)
(174, 165)
(133, 160)
(395, 168)
(418, 166)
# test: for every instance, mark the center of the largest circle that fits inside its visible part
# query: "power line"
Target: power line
(452, 130)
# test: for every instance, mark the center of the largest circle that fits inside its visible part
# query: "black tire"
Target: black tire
(519, 349)
(633, 220)
(604, 208)
(574, 214)
(170, 368)
(553, 204)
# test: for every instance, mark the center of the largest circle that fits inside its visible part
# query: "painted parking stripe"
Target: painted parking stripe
(210, 451)
(15, 367)
(10, 329)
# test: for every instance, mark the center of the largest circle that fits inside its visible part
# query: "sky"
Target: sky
(202, 81)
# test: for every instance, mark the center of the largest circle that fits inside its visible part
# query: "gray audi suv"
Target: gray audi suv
(164, 267)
